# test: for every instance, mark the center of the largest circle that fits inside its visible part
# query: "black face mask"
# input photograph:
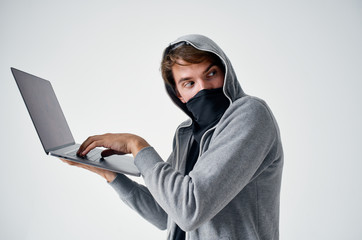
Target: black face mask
(207, 107)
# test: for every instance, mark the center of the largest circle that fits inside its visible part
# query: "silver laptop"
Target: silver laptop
(53, 129)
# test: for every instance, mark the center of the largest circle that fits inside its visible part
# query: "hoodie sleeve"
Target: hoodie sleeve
(235, 156)
(138, 198)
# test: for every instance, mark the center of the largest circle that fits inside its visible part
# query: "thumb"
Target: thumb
(110, 152)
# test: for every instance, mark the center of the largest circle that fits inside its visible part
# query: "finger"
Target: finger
(86, 143)
(98, 143)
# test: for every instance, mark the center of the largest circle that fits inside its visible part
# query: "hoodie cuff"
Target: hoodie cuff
(122, 185)
(147, 159)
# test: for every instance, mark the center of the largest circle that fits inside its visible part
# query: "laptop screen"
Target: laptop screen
(44, 110)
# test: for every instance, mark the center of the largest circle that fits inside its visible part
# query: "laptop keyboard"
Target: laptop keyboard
(93, 155)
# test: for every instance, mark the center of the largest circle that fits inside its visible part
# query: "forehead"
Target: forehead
(183, 68)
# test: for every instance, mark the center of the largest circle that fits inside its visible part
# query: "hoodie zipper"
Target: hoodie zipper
(202, 138)
(178, 151)
(177, 142)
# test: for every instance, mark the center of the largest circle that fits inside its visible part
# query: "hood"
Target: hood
(231, 88)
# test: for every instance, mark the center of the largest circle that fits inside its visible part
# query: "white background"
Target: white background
(303, 57)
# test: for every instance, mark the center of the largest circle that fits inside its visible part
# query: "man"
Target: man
(222, 179)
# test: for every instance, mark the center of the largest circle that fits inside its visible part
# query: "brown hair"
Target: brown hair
(188, 54)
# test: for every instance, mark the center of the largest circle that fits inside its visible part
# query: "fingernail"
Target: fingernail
(83, 153)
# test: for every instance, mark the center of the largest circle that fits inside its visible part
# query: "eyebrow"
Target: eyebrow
(188, 78)
(208, 68)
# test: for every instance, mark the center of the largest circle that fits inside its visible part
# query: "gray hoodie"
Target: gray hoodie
(233, 191)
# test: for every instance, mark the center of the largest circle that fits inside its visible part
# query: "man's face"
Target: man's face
(192, 78)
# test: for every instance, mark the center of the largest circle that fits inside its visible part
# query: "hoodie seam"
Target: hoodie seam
(188, 124)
